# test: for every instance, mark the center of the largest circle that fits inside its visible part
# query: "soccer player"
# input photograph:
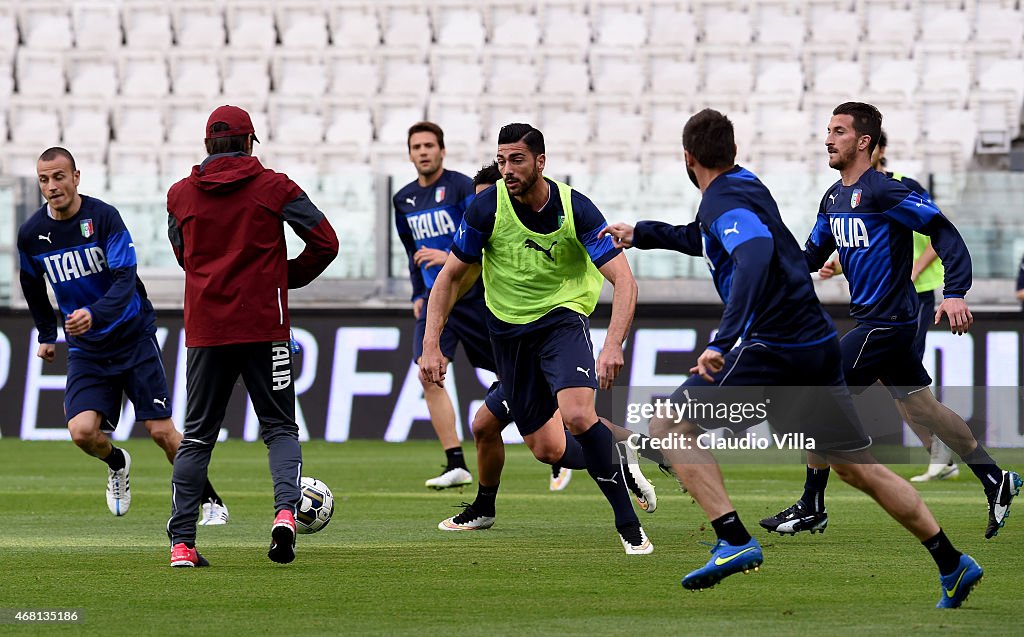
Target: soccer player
(427, 213)
(542, 266)
(226, 225)
(81, 246)
(870, 218)
(551, 443)
(927, 274)
(756, 266)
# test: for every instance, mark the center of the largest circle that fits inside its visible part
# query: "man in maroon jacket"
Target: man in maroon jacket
(226, 225)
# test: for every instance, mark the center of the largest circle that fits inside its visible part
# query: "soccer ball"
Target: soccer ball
(316, 506)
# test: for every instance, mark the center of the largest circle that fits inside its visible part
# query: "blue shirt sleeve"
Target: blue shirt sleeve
(918, 213)
(649, 235)
(750, 244)
(820, 244)
(419, 288)
(589, 223)
(33, 287)
(476, 227)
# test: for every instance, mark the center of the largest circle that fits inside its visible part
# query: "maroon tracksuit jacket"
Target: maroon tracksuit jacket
(226, 225)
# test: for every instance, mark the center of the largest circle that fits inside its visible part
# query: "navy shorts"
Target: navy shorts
(925, 320)
(797, 389)
(535, 366)
(884, 353)
(98, 384)
(467, 324)
(498, 404)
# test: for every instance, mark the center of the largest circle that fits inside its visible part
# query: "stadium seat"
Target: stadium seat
(616, 75)
(564, 77)
(1000, 31)
(40, 72)
(194, 74)
(945, 80)
(780, 36)
(672, 28)
(563, 25)
(456, 76)
(139, 120)
(355, 29)
(728, 28)
(893, 82)
(199, 25)
(45, 25)
(407, 29)
(298, 73)
(727, 84)
(353, 75)
(176, 161)
(244, 73)
(147, 25)
(294, 160)
(955, 127)
(143, 74)
(97, 26)
(186, 120)
(944, 36)
(347, 123)
(620, 27)
(251, 25)
(86, 122)
(620, 134)
(34, 121)
(301, 24)
(460, 121)
(903, 128)
(8, 31)
(781, 83)
(667, 117)
(405, 78)
(566, 132)
(673, 76)
(295, 121)
(515, 30)
(510, 77)
(393, 119)
(6, 81)
(92, 73)
(459, 27)
(780, 126)
(839, 79)
(501, 112)
(890, 35)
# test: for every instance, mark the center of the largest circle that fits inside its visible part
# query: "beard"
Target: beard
(523, 186)
(693, 177)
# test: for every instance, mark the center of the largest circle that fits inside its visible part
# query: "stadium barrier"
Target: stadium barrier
(354, 378)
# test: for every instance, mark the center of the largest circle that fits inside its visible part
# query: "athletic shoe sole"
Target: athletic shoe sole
(282, 550)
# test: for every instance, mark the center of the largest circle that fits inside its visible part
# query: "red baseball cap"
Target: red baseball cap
(237, 120)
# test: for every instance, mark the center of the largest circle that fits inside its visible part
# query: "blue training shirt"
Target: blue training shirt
(428, 217)
(754, 261)
(89, 262)
(871, 224)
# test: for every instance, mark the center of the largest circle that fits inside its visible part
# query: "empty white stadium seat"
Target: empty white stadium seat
(251, 25)
(510, 77)
(407, 29)
(186, 121)
(86, 122)
(34, 121)
(97, 26)
(348, 123)
(6, 80)
(147, 25)
(728, 27)
(564, 77)
(621, 27)
(670, 76)
(617, 76)
(143, 74)
(460, 27)
(353, 28)
(92, 73)
(298, 73)
(457, 76)
(199, 25)
(195, 74)
(301, 24)
(139, 119)
(8, 30)
(295, 120)
(45, 25)
(781, 83)
(405, 78)
(565, 27)
(353, 75)
(244, 73)
(40, 72)
(518, 29)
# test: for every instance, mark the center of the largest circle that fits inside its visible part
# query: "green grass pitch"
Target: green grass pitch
(552, 564)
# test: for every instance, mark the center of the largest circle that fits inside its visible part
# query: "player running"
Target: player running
(81, 246)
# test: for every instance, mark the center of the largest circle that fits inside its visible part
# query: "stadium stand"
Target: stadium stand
(609, 81)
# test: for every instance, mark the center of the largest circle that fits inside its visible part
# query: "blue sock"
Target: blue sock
(814, 489)
(573, 456)
(598, 450)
